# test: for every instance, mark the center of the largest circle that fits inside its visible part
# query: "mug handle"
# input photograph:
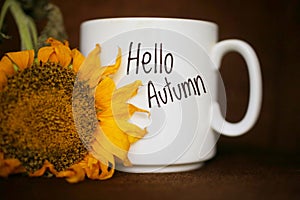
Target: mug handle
(255, 96)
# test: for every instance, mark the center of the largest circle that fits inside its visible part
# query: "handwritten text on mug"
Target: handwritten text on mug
(163, 64)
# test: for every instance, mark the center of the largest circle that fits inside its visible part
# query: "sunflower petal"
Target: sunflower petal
(126, 92)
(115, 135)
(22, 58)
(116, 132)
(78, 59)
(105, 173)
(74, 174)
(53, 58)
(112, 69)
(110, 146)
(90, 68)
(95, 169)
(31, 58)
(90, 166)
(10, 166)
(132, 139)
(7, 66)
(131, 129)
(64, 55)
(104, 114)
(123, 111)
(53, 42)
(100, 153)
(57, 52)
(91, 160)
(65, 173)
(44, 54)
(107, 87)
(133, 109)
(66, 43)
(47, 166)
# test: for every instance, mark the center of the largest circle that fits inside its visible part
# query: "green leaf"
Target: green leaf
(26, 26)
(3, 12)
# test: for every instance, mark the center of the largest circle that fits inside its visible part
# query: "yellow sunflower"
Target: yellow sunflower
(62, 114)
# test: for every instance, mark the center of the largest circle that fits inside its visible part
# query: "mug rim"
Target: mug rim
(171, 19)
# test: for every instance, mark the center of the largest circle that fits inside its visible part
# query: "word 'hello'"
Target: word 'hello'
(165, 63)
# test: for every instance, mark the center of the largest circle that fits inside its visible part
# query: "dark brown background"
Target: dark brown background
(272, 28)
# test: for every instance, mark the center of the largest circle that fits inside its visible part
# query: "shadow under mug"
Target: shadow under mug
(177, 60)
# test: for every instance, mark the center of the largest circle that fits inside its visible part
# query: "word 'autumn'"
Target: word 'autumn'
(158, 63)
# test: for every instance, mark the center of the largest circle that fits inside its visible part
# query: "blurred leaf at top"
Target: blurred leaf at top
(26, 13)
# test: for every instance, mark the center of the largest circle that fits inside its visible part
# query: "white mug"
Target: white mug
(177, 60)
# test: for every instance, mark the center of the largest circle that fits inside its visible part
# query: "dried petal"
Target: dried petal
(53, 42)
(47, 166)
(74, 174)
(91, 167)
(57, 52)
(105, 173)
(10, 166)
(95, 169)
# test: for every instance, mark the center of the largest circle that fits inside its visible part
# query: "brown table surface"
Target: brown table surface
(235, 173)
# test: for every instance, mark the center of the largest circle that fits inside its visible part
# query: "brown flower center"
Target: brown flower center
(36, 122)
